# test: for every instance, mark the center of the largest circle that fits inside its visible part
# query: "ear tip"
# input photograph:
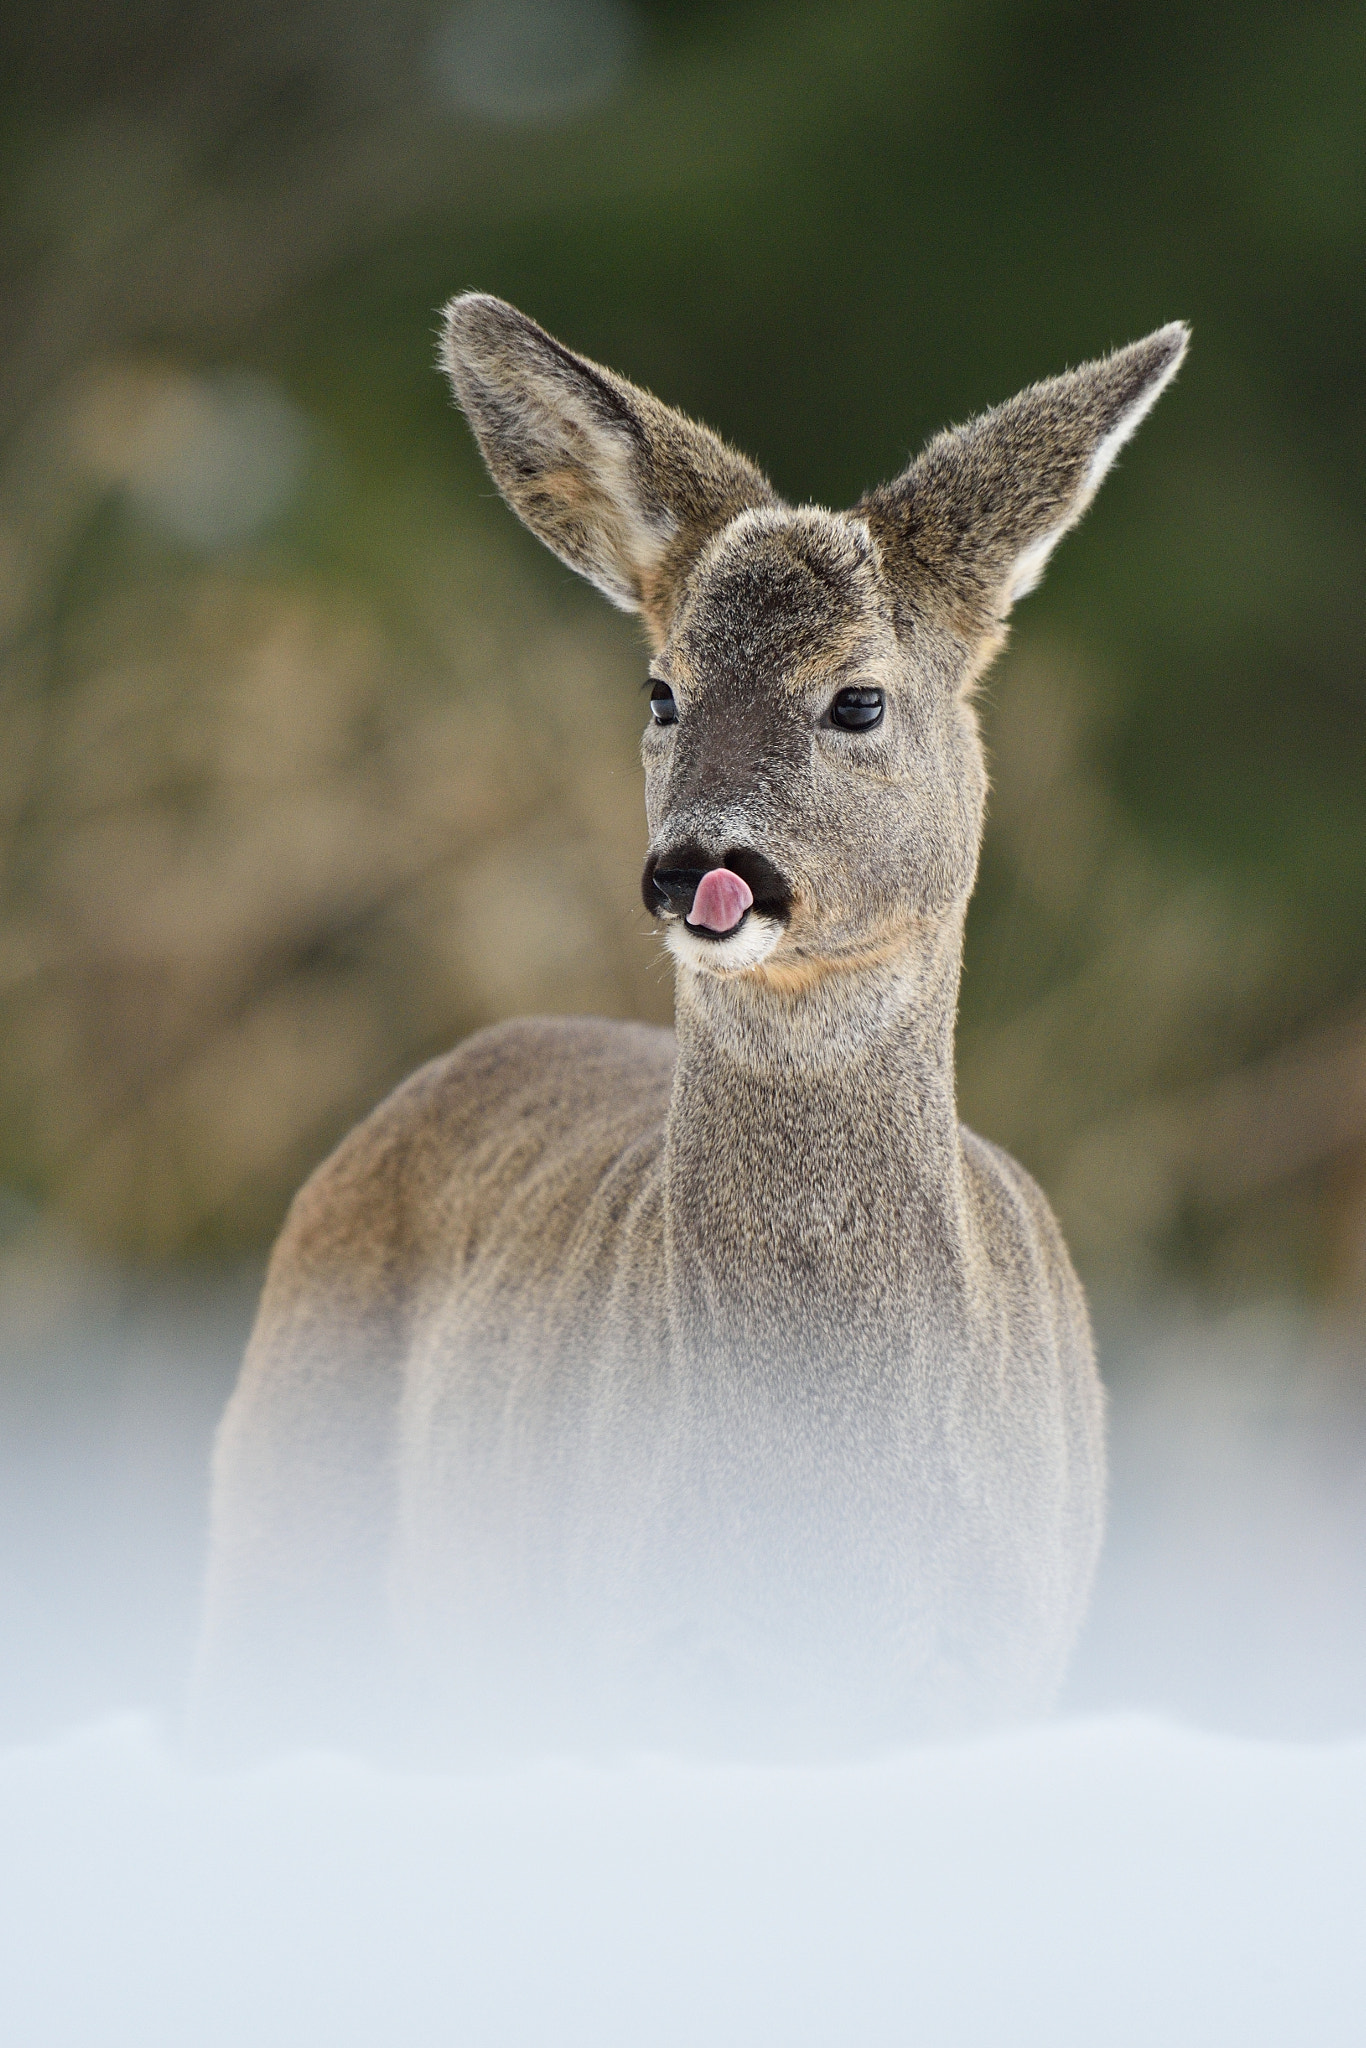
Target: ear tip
(474, 322)
(1166, 347)
(1137, 376)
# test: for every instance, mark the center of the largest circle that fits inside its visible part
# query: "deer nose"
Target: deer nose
(714, 890)
(714, 899)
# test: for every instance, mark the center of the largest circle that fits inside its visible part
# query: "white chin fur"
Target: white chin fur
(753, 942)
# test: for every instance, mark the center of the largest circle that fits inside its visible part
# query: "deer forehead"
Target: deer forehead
(782, 599)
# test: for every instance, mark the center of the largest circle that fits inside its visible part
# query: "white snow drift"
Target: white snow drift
(1107, 1882)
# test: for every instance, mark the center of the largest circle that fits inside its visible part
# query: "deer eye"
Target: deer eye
(663, 710)
(857, 710)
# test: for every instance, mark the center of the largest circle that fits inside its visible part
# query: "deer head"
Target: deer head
(814, 776)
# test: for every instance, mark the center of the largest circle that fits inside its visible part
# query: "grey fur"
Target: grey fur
(733, 1384)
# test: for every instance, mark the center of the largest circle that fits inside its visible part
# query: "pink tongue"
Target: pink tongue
(721, 900)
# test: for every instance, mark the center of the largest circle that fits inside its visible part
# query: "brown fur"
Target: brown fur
(724, 1382)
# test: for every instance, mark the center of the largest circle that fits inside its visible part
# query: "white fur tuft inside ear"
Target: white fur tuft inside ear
(1029, 567)
(1177, 337)
(1028, 571)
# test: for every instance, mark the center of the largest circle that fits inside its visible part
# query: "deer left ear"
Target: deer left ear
(622, 488)
(981, 510)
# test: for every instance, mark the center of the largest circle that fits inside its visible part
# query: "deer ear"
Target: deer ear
(620, 487)
(985, 505)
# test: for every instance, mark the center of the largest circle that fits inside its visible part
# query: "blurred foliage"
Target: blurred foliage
(313, 761)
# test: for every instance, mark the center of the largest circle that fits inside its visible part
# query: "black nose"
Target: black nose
(670, 880)
(674, 888)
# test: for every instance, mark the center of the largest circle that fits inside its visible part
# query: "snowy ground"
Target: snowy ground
(1180, 1860)
(1104, 1882)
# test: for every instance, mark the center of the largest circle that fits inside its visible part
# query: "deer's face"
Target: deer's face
(805, 742)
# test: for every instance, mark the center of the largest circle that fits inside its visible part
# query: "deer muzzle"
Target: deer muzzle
(714, 896)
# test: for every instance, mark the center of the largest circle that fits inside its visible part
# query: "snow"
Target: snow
(1110, 1881)
(1115, 1880)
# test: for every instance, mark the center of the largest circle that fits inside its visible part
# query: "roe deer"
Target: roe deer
(722, 1385)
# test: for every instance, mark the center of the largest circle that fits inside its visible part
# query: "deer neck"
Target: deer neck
(813, 1165)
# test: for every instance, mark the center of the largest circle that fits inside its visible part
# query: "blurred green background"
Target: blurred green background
(313, 761)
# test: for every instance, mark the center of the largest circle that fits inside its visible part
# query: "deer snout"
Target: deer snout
(714, 892)
(715, 898)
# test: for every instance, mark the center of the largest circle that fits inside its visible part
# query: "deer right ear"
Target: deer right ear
(978, 514)
(622, 488)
